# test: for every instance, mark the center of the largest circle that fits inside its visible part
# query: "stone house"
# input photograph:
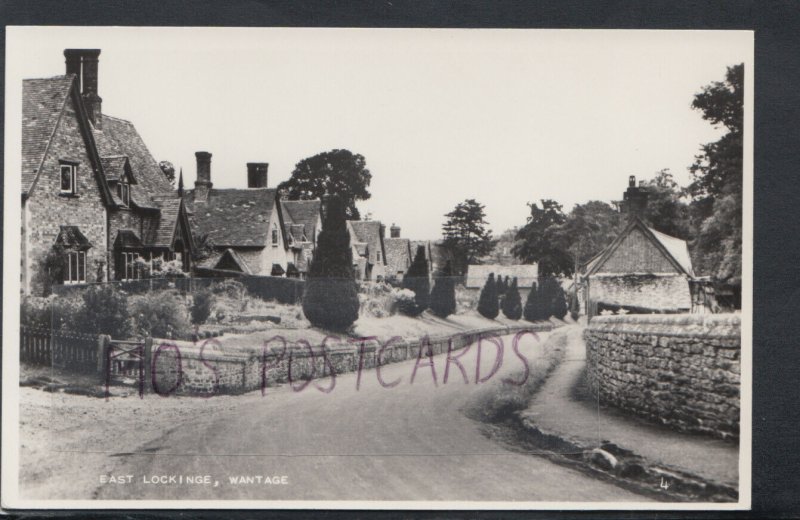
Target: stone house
(369, 253)
(94, 201)
(398, 254)
(251, 231)
(642, 270)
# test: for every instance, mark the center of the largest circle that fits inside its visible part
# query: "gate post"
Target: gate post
(103, 344)
(147, 359)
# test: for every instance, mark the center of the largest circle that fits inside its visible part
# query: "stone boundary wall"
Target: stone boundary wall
(213, 372)
(682, 370)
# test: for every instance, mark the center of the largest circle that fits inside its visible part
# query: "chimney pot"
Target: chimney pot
(632, 181)
(257, 174)
(84, 64)
(394, 231)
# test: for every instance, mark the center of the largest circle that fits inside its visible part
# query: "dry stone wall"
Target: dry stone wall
(206, 370)
(679, 370)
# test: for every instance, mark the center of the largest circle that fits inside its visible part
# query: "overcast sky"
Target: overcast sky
(502, 116)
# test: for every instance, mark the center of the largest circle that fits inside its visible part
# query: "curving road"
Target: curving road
(409, 442)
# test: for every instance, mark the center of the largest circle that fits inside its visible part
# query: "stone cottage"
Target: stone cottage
(642, 270)
(398, 254)
(94, 201)
(369, 253)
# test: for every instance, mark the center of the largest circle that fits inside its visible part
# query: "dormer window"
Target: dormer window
(69, 178)
(124, 191)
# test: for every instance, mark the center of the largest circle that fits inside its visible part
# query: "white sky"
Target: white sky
(502, 116)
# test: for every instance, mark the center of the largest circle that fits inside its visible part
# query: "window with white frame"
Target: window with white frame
(124, 191)
(129, 267)
(69, 178)
(274, 235)
(75, 267)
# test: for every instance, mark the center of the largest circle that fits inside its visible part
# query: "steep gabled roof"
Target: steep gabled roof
(368, 232)
(235, 217)
(674, 249)
(228, 260)
(398, 254)
(118, 137)
(117, 166)
(168, 220)
(302, 212)
(43, 103)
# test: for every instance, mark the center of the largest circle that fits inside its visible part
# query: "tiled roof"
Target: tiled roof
(168, 220)
(305, 212)
(233, 217)
(369, 232)
(677, 248)
(42, 103)
(398, 254)
(71, 238)
(229, 255)
(114, 166)
(119, 137)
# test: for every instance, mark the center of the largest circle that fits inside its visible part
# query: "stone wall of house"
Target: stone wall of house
(680, 370)
(188, 371)
(663, 292)
(47, 209)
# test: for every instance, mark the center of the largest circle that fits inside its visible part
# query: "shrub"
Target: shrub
(443, 295)
(201, 306)
(331, 296)
(161, 314)
(512, 303)
(105, 311)
(416, 280)
(230, 288)
(533, 310)
(488, 306)
(552, 298)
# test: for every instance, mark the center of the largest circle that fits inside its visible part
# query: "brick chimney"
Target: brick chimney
(257, 174)
(394, 231)
(84, 64)
(203, 184)
(634, 199)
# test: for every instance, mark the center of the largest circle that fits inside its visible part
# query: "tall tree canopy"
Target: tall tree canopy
(717, 181)
(666, 210)
(466, 235)
(169, 171)
(339, 173)
(539, 241)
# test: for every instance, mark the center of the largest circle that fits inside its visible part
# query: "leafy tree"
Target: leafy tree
(717, 181)
(488, 306)
(443, 295)
(416, 280)
(540, 240)
(512, 303)
(337, 173)
(466, 235)
(169, 171)
(666, 210)
(330, 300)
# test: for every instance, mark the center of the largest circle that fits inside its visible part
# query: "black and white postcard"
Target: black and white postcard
(377, 268)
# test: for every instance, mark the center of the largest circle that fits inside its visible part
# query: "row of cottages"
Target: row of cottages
(94, 201)
(250, 231)
(642, 270)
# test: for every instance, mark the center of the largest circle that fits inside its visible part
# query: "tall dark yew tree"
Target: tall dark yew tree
(443, 295)
(488, 305)
(330, 300)
(512, 303)
(416, 279)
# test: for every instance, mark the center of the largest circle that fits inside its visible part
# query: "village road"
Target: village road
(408, 442)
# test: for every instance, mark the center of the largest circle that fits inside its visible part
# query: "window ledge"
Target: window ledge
(69, 195)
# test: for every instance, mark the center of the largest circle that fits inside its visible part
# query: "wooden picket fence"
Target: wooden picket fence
(71, 350)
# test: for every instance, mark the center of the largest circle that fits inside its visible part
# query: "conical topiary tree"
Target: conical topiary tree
(416, 279)
(559, 301)
(488, 306)
(443, 295)
(512, 303)
(533, 307)
(330, 300)
(553, 300)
